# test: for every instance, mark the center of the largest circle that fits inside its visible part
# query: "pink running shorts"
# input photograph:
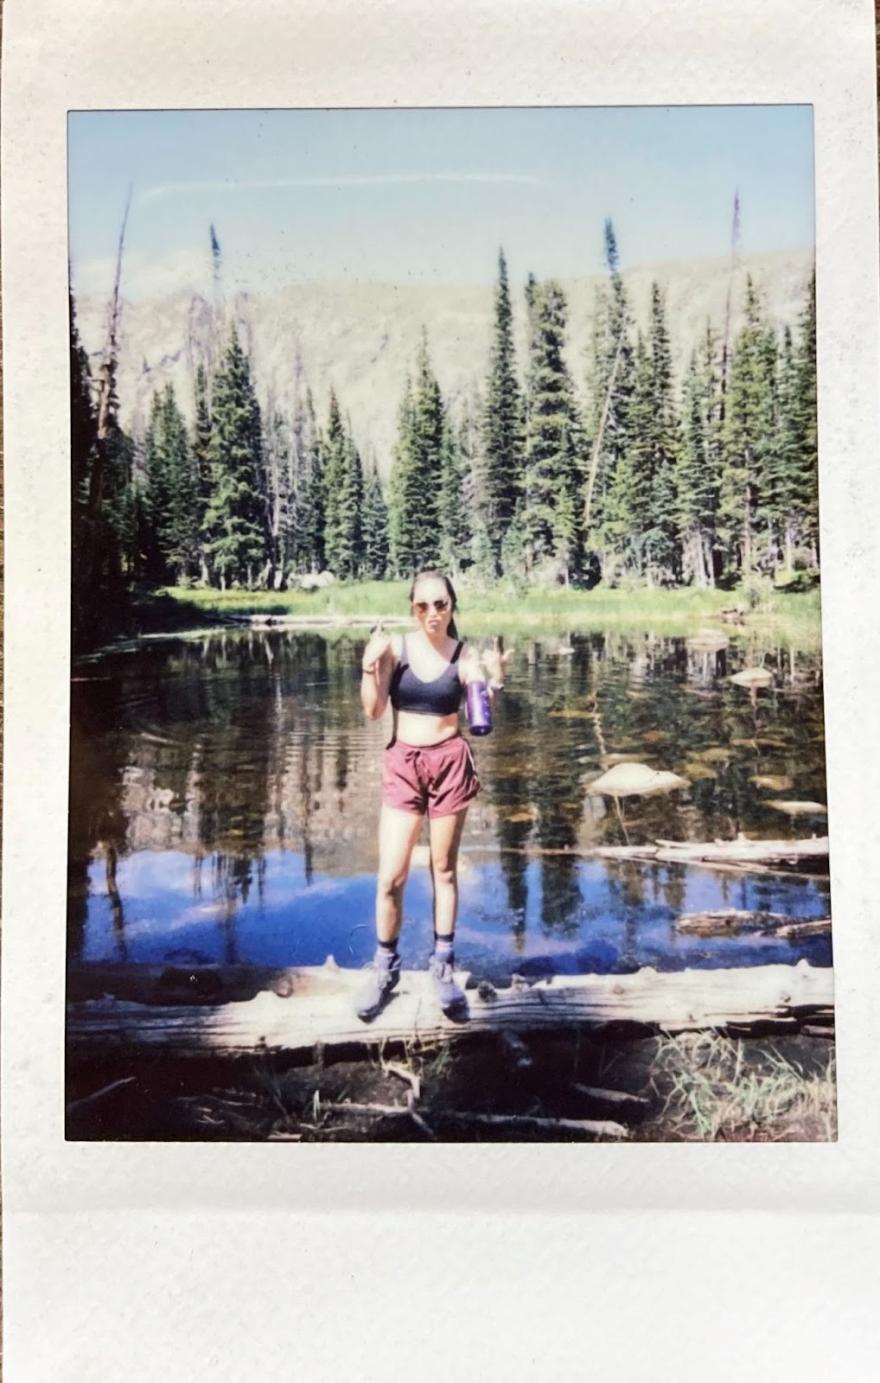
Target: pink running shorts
(437, 779)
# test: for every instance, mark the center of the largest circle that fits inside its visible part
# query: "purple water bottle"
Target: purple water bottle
(479, 708)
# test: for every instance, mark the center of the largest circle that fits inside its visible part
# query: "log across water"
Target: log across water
(298, 1010)
(742, 853)
(733, 921)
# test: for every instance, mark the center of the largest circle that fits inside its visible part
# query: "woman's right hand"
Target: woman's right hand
(378, 645)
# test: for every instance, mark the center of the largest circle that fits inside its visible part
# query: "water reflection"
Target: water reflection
(210, 773)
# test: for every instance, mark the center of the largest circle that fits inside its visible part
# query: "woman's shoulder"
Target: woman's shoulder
(396, 642)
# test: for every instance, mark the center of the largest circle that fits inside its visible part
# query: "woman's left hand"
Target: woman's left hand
(495, 662)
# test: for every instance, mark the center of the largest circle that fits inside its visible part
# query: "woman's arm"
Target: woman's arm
(376, 680)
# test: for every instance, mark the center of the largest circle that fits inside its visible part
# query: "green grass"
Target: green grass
(485, 611)
(715, 1094)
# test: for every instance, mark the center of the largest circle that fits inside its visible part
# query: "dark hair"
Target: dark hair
(432, 573)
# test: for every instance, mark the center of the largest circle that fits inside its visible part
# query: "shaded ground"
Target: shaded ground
(696, 1087)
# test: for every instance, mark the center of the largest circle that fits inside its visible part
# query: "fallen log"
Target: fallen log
(613, 1097)
(798, 931)
(319, 1012)
(98, 1095)
(597, 1128)
(748, 854)
(727, 921)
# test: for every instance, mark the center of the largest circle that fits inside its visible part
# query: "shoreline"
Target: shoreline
(790, 616)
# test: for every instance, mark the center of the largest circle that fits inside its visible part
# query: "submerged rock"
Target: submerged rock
(716, 755)
(799, 808)
(752, 677)
(700, 772)
(636, 780)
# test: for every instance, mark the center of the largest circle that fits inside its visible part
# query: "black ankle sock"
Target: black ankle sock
(444, 943)
(389, 946)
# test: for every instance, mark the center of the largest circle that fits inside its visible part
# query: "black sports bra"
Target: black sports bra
(441, 697)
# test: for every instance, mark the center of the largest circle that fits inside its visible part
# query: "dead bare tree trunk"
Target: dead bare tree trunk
(107, 375)
(725, 344)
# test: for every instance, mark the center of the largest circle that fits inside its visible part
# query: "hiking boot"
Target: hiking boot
(449, 996)
(383, 974)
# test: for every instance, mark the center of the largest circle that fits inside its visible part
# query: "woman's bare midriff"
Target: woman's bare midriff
(420, 730)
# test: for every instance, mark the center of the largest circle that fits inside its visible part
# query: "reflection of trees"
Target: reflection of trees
(234, 744)
(626, 887)
(535, 775)
(219, 745)
(96, 820)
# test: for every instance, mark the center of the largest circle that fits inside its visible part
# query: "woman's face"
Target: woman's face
(432, 606)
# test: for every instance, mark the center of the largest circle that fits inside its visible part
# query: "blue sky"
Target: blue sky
(427, 196)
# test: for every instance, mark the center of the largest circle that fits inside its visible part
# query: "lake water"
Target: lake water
(225, 792)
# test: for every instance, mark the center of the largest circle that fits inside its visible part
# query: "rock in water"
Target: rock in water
(636, 780)
(776, 782)
(752, 677)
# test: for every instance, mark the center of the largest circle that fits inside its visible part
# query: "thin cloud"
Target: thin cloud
(153, 194)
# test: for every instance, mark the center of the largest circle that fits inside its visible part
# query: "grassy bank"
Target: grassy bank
(485, 611)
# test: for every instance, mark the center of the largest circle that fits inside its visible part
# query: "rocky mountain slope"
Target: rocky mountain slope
(362, 337)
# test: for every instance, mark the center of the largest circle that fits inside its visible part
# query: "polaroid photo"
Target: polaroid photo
(441, 579)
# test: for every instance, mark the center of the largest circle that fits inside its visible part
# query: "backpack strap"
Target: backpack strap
(454, 658)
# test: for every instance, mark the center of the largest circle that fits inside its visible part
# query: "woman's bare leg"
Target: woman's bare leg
(445, 833)
(398, 833)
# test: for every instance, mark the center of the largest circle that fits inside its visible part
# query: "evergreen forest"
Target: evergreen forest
(628, 474)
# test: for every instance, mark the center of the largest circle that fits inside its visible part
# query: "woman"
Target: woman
(428, 771)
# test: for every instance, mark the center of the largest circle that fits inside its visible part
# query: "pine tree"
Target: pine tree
(375, 528)
(234, 530)
(156, 499)
(748, 436)
(610, 384)
(350, 512)
(482, 557)
(83, 423)
(552, 442)
(306, 518)
(469, 441)
(311, 493)
(201, 444)
(277, 451)
(85, 535)
(171, 496)
(343, 496)
(806, 483)
(503, 450)
(452, 515)
(660, 541)
(565, 516)
(334, 464)
(415, 473)
(698, 464)
(628, 504)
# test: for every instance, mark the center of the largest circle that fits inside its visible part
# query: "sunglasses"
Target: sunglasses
(423, 606)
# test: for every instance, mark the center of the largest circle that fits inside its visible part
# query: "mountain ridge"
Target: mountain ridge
(360, 337)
